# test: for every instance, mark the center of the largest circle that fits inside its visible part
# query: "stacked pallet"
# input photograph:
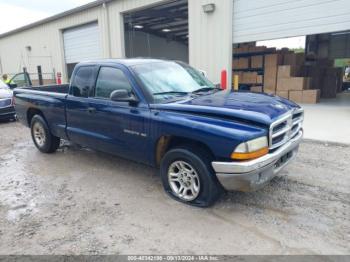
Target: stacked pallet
(286, 74)
(290, 82)
(327, 78)
(248, 65)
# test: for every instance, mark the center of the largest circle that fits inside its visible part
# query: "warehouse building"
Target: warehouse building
(191, 31)
(208, 34)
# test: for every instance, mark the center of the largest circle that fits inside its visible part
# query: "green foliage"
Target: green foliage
(298, 50)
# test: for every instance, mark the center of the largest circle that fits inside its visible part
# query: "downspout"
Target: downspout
(106, 18)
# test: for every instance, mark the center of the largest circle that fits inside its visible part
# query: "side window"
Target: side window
(83, 81)
(110, 79)
(20, 80)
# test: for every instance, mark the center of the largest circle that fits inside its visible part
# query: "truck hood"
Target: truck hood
(242, 106)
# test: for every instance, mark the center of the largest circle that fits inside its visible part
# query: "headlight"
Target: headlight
(251, 149)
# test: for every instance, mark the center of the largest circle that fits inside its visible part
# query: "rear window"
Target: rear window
(83, 81)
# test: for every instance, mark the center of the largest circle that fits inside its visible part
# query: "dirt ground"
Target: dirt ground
(78, 201)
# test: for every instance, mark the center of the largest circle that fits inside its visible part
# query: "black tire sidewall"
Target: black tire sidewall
(48, 142)
(208, 187)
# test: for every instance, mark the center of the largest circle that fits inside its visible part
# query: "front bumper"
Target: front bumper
(7, 112)
(253, 175)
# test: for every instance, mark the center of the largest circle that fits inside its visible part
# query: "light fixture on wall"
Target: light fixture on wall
(166, 30)
(209, 8)
(138, 26)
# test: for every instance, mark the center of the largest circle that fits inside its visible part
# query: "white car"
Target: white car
(7, 110)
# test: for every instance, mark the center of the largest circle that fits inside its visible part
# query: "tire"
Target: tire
(201, 186)
(42, 137)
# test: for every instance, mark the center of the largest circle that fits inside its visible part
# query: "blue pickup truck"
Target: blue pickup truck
(167, 114)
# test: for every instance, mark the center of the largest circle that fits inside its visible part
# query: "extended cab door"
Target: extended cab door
(79, 121)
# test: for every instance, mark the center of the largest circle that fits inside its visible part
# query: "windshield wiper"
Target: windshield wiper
(205, 89)
(171, 93)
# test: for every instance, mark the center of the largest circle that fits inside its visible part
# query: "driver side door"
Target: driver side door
(120, 128)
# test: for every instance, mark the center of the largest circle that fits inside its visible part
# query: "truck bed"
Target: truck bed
(62, 89)
(50, 99)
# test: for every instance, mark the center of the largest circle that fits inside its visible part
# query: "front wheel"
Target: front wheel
(188, 177)
(42, 137)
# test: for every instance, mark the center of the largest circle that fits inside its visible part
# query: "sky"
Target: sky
(292, 42)
(17, 13)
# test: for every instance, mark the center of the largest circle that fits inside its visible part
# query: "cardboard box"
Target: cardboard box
(311, 96)
(269, 91)
(257, 61)
(294, 59)
(284, 94)
(259, 79)
(240, 63)
(296, 96)
(243, 48)
(273, 60)
(235, 63)
(270, 78)
(258, 48)
(255, 49)
(293, 83)
(249, 78)
(286, 71)
(243, 63)
(256, 89)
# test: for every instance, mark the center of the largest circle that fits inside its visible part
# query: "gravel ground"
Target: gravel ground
(78, 201)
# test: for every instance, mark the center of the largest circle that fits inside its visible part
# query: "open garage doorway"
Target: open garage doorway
(158, 32)
(311, 70)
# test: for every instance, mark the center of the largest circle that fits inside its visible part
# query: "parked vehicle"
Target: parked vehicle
(167, 114)
(7, 111)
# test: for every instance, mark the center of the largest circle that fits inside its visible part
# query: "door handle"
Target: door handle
(92, 110)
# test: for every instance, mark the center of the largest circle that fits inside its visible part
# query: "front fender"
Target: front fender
(221, 136)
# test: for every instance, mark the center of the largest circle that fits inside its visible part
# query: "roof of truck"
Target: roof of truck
(126, 62)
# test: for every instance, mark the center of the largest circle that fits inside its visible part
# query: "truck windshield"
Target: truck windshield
(171, 80)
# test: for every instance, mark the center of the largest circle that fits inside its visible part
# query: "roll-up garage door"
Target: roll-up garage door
(272, 19)
(82, 43)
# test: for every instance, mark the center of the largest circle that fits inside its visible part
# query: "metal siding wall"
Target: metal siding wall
(272, 19)
(46, 42)
(210, 38)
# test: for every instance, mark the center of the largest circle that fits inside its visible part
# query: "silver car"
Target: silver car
(7, 110)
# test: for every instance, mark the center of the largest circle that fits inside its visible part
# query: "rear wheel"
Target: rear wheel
(42, 137)
(187, 176)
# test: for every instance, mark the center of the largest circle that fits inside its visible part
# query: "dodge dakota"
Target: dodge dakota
(167, 114)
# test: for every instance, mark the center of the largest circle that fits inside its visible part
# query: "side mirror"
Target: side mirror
(12, 86)
(123, 95)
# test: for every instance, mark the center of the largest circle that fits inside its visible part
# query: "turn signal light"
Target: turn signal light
(250, 155)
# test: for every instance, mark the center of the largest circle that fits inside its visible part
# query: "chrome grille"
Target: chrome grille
(5, 102)
(285, 128)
